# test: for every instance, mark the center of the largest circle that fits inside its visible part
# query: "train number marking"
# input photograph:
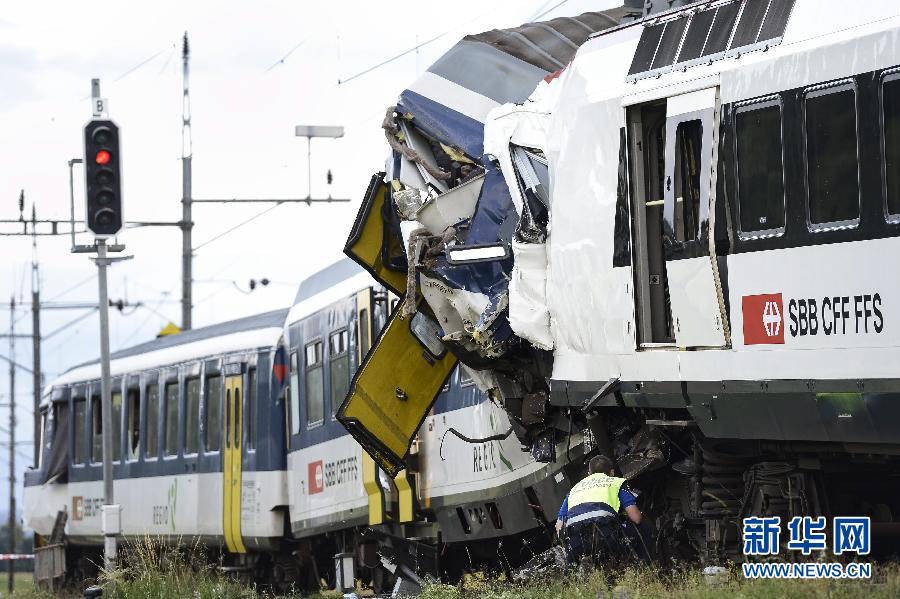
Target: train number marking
(483, 458)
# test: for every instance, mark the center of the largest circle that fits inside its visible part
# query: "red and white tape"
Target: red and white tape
(5, 557)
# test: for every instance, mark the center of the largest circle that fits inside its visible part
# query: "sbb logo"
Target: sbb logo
(316, 477)
(763, 319)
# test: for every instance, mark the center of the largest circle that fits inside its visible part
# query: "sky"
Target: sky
(257, 69)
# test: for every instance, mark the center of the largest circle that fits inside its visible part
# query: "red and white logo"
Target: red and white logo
(315, 477)
(763, 319)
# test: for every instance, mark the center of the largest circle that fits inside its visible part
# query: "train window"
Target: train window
(760, 172)
(689, 143)
(192, 416)
(228, 426)
(315, 383)
(890, 100)
(721, 28)
(294, 396)
(832, 167)
(775, 20)
(465, 379)
(696, 35)
(133, 415)
(80, 426)
(171, 419)
(339, 364)
(251, 409)
(428, 332)
(213, 424)
(669, 43)
(151, 444)
(364, 342)
(96, 430)
(117, 425)
(751, 20)
(646, 48)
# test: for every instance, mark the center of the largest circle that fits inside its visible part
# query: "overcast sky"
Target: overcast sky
(245, 101)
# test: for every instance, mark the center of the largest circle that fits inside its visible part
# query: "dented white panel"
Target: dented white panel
(529, 315)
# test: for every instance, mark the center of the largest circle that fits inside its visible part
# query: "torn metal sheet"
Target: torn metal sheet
(452, 186)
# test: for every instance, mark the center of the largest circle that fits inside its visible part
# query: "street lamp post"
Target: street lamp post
(309, 132)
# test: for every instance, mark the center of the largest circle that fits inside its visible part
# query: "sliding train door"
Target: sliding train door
(673, 150)
(690, 158)
(232, 467)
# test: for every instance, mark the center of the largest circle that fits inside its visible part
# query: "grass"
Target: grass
(149, 571)
(646, 584)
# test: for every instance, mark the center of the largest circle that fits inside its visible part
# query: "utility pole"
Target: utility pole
(106, 412)
(186, 222)
(38, 383)
(12, 440)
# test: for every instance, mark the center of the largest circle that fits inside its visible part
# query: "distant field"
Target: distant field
(22, 581)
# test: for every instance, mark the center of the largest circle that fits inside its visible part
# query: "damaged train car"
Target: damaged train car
(662, 245)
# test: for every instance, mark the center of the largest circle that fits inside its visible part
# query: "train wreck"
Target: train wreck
(578, 247)
(443, 228)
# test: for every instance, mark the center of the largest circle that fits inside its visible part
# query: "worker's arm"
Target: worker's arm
(633, 513)
(561, 517)
(628, 499)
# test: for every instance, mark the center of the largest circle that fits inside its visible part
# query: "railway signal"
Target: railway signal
(103, 181)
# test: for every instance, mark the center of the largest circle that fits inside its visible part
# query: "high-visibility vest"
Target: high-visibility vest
(597, 488)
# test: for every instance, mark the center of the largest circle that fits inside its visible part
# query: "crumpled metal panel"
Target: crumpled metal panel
(552, 44)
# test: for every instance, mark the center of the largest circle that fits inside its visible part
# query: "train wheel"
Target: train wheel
(286, 573)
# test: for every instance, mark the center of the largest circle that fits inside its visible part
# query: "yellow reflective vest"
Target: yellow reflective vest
(597, 488)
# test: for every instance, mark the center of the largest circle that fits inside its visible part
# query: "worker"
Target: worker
(590, 515)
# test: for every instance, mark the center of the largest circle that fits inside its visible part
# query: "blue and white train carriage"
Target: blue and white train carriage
(456, 498)
(211, 443)
(198, 443)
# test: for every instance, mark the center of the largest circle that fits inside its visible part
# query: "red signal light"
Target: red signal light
(102, 157)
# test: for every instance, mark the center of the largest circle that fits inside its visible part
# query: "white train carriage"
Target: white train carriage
(455, 498)
(198, 444)
(707, 216)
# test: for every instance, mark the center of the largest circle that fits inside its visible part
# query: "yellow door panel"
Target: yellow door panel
(236, 464)
(231, 465)
(373, 490)
(226, 471)
(404, 496)
(367, 239)
(395, 387)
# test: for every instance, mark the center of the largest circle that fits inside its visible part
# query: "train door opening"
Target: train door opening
(647, 142)
(232, 466)
(679, 300)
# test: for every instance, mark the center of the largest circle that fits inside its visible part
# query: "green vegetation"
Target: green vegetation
(150, 572)
(646, 584)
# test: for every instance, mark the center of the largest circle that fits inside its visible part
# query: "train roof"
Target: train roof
(258, 330)
(333, 283)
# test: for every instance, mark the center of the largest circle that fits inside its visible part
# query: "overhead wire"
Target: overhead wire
(237, 226)
(136, 67)
(549, 10)
(73, 287)
(417, 47)
(285, 57)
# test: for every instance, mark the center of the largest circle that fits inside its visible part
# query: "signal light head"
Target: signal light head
(102, 136)
(105, 177)
(104, 217)
(102, 157)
